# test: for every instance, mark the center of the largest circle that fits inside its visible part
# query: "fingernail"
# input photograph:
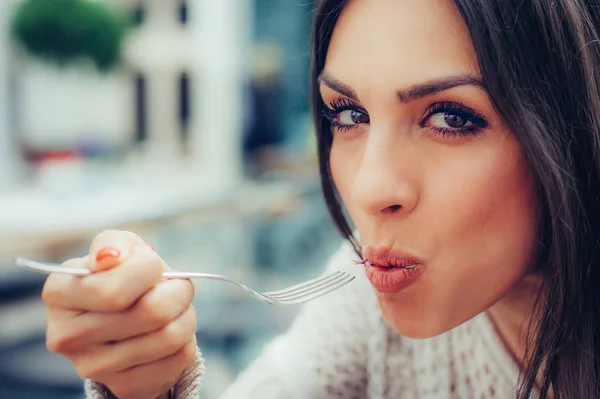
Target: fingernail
(106, 253)
(151, 247)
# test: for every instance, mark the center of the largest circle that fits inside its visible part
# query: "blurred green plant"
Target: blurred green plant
(67, 31)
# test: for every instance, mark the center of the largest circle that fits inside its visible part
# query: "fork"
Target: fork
(296, 294)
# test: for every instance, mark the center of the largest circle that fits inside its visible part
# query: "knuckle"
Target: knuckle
(187, 354)
(148, 268)
(185, 292)
(153, 263)
(116, 302)
(192, 290)
(54, 342)
(86, 367)
(163, 305)
(113, 298)
(51, 292)
(178, 334)
(88, 371)
(174, 336)
(190, 320)
(93, 365)
(182, 293)
(159, 313)
(60, 340)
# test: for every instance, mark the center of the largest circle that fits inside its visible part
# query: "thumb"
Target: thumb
(111, 248)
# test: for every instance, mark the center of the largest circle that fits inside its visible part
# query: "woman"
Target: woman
(463, 139)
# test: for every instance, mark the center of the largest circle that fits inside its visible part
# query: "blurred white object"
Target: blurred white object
(213, 49)
(160, 49)
(222, 34)
(60, 107)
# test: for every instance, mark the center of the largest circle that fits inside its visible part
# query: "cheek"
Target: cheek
(489, 233)
(489, 213)
(478, 227)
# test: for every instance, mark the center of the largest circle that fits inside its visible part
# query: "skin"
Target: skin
(463, 203)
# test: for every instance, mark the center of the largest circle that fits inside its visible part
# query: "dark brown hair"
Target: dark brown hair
(540, 63)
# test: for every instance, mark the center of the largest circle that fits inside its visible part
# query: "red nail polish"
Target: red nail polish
(151, 247)
(108, 252)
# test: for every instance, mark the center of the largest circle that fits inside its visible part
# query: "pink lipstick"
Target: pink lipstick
(391, 271)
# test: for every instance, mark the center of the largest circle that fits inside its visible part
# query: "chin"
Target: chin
(411, 321)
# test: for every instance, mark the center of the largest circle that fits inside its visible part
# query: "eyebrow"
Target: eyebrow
(412, 93)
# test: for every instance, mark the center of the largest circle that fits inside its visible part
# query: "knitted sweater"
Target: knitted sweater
(340, 347)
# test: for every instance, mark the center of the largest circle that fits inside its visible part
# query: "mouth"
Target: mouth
(386, 259)
(368, 263)
(391, 271)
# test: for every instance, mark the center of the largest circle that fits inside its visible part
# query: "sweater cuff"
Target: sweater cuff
(188, 386)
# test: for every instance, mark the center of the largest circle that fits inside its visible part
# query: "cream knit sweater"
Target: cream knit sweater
(340, 347)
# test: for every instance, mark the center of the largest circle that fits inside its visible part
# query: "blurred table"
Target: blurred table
(36, 220)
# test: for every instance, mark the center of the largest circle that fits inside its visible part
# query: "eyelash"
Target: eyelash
(335, 108)
(477, 120)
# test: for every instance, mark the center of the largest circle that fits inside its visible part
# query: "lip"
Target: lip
(390, 258)
(388, 271)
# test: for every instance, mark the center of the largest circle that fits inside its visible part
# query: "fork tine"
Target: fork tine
(312, 286)
(308, 290)
(317, 294)
(305, 284)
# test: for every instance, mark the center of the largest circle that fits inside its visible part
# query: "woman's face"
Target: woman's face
(424, 164)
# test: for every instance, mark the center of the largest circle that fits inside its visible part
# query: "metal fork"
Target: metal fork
(296, 294)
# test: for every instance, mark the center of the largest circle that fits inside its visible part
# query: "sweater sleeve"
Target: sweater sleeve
(187, 387)
(322, 355)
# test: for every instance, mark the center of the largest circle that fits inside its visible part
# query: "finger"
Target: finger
(151, 347)
(164, 303)
(145, 349)
(110, 248)
(153, 379)
(113, 290)
(55, 282)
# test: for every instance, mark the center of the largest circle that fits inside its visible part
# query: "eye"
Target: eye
(449, 120)
(344, 114)
(453, 119)
(351, 117)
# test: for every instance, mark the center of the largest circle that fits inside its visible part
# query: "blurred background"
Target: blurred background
(185, 121)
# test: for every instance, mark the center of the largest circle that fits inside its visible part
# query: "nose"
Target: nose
(386, 180)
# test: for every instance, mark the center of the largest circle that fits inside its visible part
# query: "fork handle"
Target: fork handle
(207, 276)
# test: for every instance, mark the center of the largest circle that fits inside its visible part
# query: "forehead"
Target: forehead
(399, 42)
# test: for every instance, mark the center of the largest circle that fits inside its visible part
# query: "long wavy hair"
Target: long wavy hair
(540, 63)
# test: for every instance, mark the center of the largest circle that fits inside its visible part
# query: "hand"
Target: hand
(123, 326)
